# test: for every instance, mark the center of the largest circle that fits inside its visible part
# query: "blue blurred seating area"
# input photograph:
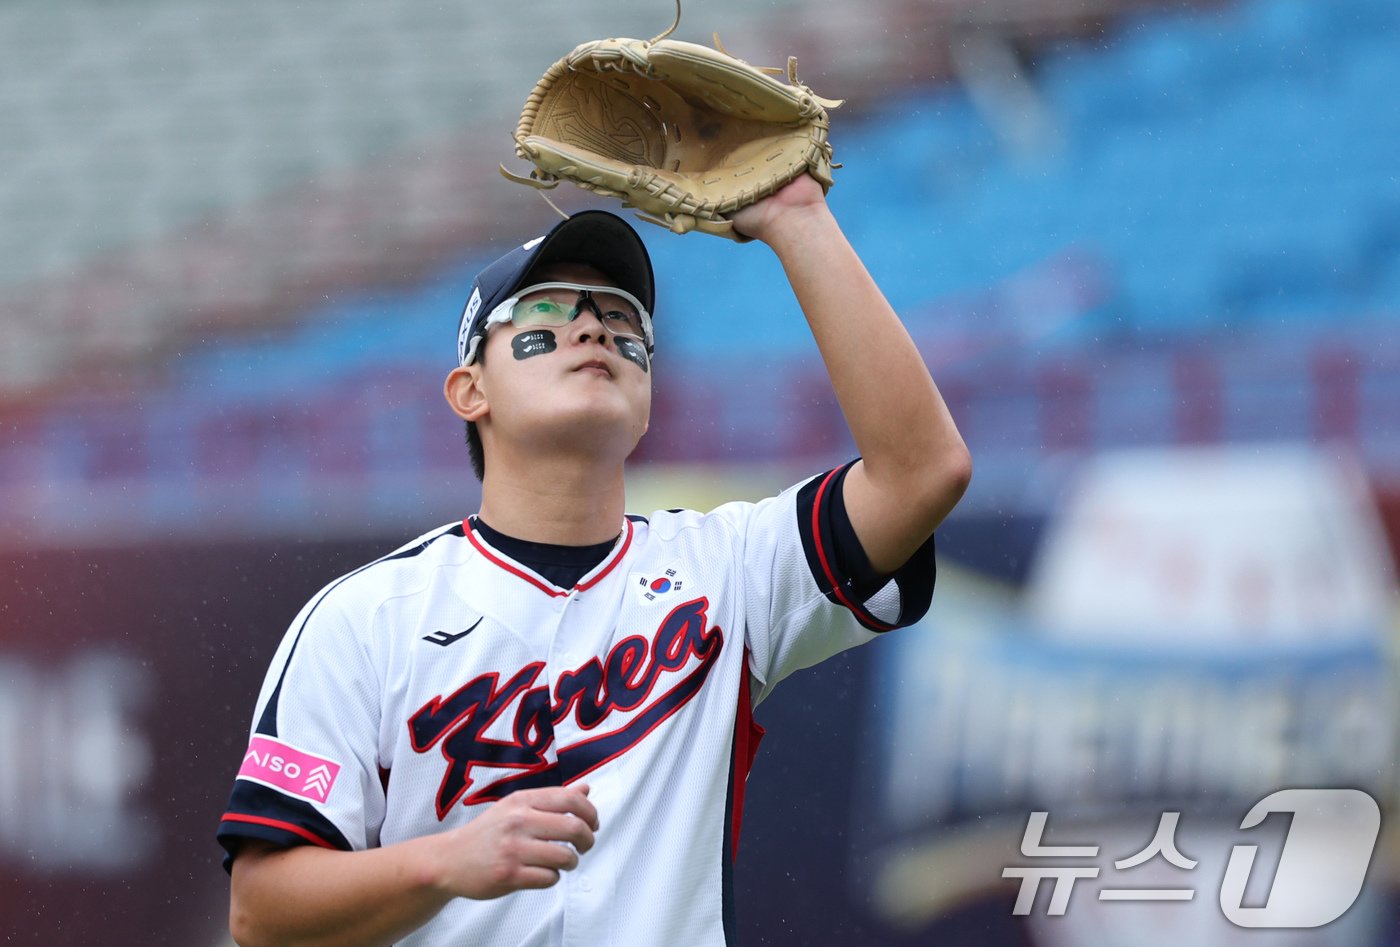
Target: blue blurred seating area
(1203, 246)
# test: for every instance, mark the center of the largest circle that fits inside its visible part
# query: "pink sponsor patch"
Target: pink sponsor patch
(282, 766)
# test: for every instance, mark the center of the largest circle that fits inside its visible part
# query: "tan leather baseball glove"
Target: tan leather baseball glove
(683, 133)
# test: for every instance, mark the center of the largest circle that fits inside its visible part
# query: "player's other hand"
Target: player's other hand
(789, 205)
(523, 841)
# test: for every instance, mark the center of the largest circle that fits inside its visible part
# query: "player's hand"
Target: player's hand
(794, 200)
(523, 841)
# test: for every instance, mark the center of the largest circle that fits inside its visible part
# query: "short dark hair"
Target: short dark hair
(474, 449)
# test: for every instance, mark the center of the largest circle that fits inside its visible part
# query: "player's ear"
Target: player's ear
(464, 393)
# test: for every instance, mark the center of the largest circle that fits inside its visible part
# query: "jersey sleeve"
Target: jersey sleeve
(310, 774)
(810, 590)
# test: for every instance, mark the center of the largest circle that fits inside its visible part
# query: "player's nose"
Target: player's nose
(588, 327)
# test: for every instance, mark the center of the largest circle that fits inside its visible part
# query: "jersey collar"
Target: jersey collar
(500, 559)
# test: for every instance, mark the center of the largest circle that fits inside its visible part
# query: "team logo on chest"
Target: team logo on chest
(674, 663)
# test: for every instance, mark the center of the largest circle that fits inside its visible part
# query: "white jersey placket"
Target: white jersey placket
(585, 891)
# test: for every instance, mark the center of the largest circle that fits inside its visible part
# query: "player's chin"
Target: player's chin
(597, 437)
(608, 393)
(604, 411)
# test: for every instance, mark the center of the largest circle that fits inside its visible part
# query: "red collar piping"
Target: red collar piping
(499, 559)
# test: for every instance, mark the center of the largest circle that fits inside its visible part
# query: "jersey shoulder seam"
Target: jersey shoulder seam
(678, 520)
(350, 591)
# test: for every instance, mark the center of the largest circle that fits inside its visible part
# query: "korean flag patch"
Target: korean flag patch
(653, 587)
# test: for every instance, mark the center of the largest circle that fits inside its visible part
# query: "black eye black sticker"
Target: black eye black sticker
(529, 344)
(634, 352)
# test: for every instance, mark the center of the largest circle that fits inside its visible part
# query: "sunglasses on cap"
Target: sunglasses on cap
(557, 304)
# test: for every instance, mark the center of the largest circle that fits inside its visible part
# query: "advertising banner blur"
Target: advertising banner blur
(1206, 639)
(126, 684)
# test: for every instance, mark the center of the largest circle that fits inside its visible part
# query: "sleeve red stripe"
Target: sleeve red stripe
(817, 529)
(826, 565)
(278, 824)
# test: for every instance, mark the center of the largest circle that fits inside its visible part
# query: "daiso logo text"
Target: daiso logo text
(276, 763)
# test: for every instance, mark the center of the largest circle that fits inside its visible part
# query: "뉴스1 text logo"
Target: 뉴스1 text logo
(282, 766)
(1326, 854)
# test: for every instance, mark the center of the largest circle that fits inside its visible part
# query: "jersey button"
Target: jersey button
(585, 885)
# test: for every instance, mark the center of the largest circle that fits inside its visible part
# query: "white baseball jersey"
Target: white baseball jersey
(410, 694)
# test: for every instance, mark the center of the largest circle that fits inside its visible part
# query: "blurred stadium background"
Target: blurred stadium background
(1150, 250)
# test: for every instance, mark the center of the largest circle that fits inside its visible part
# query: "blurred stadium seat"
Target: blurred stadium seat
(321, 195)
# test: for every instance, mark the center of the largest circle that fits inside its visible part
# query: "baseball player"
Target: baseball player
(533, 726)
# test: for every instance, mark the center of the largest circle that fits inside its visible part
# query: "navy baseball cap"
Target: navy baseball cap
(597, 238)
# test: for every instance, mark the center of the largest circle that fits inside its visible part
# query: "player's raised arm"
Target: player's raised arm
(915, 466)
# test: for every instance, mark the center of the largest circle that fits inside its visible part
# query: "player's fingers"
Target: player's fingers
(552, 855)
(566, 799)
(533, 877)
(563, 827)
(583, 806)
(585, 810)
